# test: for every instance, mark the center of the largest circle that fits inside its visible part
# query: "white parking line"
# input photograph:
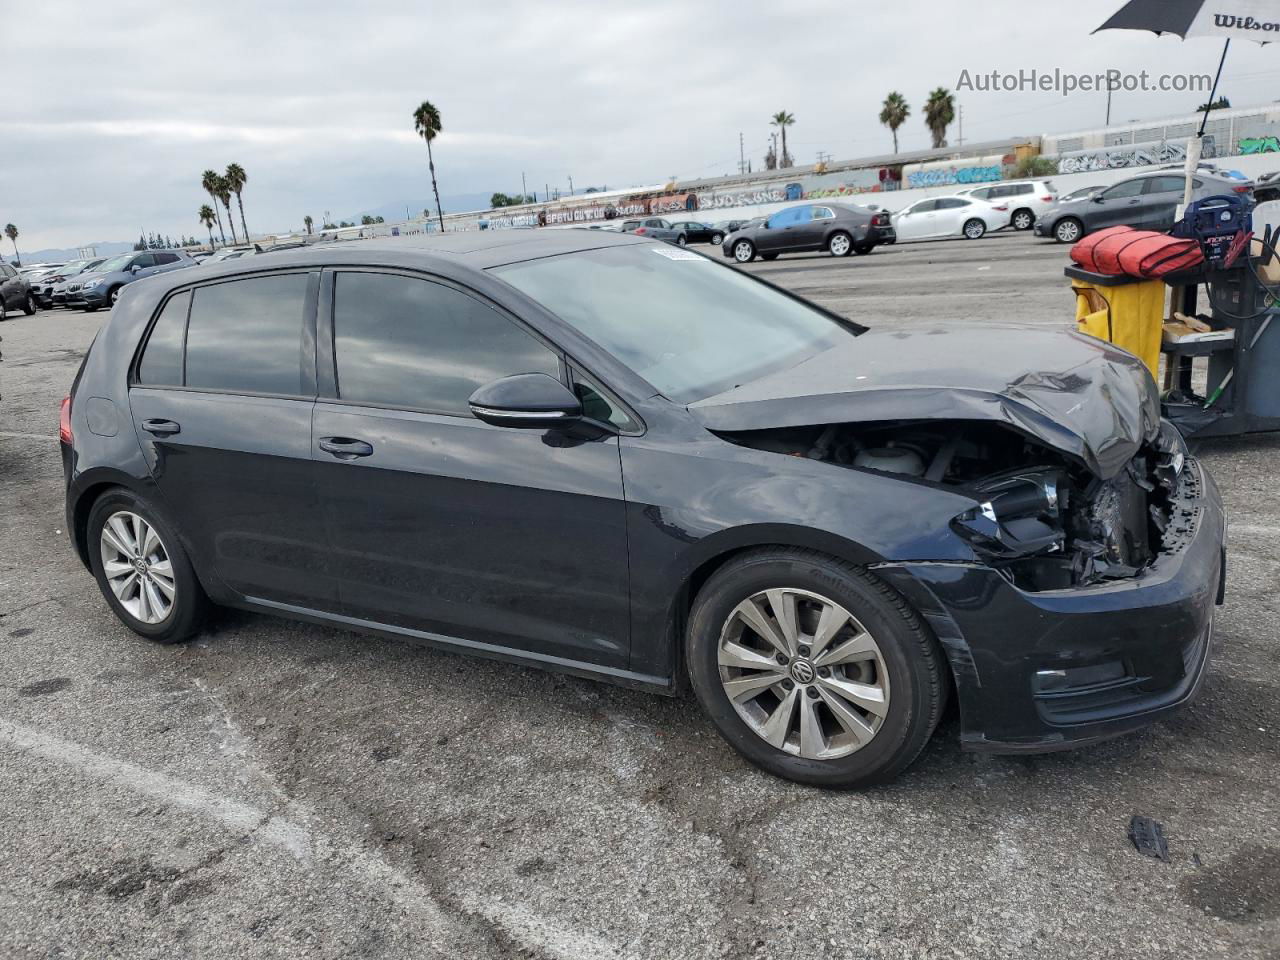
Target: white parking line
(230, 813)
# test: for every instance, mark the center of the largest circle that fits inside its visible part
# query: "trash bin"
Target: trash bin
(1126, 311)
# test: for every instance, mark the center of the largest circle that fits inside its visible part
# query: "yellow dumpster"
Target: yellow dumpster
(1125, 311)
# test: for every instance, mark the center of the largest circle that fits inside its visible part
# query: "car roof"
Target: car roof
(471, 250)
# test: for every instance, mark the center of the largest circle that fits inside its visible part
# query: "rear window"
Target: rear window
(245, 336)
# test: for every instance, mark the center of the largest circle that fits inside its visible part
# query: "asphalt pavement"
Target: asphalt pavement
(276, 789)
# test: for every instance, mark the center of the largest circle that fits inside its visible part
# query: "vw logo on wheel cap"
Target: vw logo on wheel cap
(802, 671)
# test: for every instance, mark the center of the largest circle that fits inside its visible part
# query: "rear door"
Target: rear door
(441, 523)
(10, 287)
(1160, 202)
(222, 398)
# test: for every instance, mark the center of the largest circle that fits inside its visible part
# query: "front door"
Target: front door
(1118, 205)
(918, 221)
(226, 428)
(501, 537)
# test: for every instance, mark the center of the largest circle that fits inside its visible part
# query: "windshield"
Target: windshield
(115, 263)
(690, 327)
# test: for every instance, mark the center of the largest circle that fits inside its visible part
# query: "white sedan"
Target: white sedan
(939, 217)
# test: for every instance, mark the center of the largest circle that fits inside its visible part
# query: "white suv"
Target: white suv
(1028, 199)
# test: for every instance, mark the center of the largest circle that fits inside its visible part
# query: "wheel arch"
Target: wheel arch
(718, 550)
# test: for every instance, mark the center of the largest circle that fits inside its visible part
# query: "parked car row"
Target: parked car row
(834, 227)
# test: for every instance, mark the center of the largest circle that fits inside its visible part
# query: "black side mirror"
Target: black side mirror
(529, 400)
(1098, 198)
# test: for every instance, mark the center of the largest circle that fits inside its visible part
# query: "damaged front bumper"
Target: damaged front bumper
(1039, 671)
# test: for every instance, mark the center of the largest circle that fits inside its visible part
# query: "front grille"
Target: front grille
(74, 288)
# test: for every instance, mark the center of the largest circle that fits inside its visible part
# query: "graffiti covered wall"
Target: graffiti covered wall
(1251, 145)
(1130, 155)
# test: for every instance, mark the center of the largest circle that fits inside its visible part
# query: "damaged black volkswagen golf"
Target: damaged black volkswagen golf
(620, 459)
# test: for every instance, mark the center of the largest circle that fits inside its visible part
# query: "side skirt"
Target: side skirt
(491, 651)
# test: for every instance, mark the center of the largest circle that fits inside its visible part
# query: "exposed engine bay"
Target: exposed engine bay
(1043, 520)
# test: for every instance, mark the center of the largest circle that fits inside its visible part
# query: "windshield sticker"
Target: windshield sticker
(675, 253)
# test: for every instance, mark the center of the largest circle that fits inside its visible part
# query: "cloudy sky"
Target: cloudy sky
(112, 110)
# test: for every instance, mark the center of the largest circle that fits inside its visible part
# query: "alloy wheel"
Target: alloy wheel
(974, 229)
(681, 240)
(115, 295)
(743, 251)
(1068, 231)
(840, 245)
(137, 567)
(1022, 220)
(717, 239)
(803, 673)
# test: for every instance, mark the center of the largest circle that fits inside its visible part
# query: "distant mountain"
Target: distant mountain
(71, 253)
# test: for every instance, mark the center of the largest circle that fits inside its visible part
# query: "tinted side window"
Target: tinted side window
(1129, 188)
(246, 335)
(1166, 184)
(1021, 189)
(144, 260)
(925, 206)
(951, 203)
(166, 258)
(162, 358)
(416, 344)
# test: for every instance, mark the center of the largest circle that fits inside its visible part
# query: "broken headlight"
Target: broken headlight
(1020, 514)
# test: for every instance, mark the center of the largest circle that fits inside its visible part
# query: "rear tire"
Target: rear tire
(717, 239)
(768, 256)
(1023, 219)
(862, 249)
(29, 306)
(682, 240)
(161, 563)
(892, 665)
(974, 229)
(840, 244)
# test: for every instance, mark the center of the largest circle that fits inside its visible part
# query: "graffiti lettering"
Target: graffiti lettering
(949, 175)
(1260, 145)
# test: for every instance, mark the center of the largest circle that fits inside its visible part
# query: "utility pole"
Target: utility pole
(742, 157)
(824, 156)
(960, 134)
(524, 189)
(1108, 123)
(570, 184)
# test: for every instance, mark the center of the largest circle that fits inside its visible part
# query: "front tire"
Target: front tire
(974, 229)
(717, 239)
(813, 669)
(840, 244)
(744, 251)
(1068, 230)
(142, 569)
(113, 295)
(1023, 219)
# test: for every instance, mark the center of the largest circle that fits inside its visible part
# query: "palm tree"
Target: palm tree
(939, 111)
(236, 179)
(11, 232)
(894, 114)
(426, 124)
(206, 215)
(224, 195)
(209, 181)
(307, 222)
(782, 120)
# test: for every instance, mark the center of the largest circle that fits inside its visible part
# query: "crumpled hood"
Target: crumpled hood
(1071, 392)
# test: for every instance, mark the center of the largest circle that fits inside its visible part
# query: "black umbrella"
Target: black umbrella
(1257, 20)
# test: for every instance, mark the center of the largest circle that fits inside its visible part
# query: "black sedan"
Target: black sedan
(834, 227)
(693, 231)
(495, 444)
